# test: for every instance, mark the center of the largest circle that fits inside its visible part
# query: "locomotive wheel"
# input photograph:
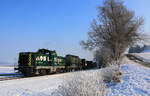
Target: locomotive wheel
(73, 70)
(42, 72)
(58, 70)
(62, 70)
(29, 72)
(47, 72)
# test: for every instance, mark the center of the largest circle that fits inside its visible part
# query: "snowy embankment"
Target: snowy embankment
(135, 82)
(135, 79)
(144, 57)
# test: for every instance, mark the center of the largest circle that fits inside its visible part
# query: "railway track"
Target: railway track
(138, 60)
(4, 77)
(10, 76)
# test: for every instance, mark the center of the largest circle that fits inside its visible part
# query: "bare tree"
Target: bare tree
(115, 29)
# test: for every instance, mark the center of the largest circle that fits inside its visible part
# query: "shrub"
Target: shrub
(82, 84)
(111, 74)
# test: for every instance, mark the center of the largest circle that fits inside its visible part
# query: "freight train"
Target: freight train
(45, 61)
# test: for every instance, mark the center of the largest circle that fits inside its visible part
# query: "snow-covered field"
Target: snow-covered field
(6, 69)
(34, 86)
(135, 82)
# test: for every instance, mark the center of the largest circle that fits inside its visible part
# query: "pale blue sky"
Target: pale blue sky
(27, 25)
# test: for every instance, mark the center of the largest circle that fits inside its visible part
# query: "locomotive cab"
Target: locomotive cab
(25, 63)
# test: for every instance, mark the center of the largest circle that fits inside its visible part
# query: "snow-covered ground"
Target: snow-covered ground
(6, 69)
(135, 82)
(34, 86)
(145, 57)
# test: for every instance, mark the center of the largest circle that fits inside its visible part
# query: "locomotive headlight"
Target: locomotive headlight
(85, 64)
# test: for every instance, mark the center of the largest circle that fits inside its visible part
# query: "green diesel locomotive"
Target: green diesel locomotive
(45, 62)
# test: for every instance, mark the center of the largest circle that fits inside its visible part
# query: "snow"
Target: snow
(33, 86)
(6, 69)
(145, 57)
(135, 81)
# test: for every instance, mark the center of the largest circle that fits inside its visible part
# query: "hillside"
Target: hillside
(136, 78)
(135, 82)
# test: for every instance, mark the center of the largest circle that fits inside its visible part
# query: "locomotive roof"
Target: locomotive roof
(44, 51)
(68, 55)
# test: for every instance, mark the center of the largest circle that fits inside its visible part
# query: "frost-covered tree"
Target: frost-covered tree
(82, 84)
(115, 29)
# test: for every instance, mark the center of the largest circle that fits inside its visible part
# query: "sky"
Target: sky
(27, 25)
